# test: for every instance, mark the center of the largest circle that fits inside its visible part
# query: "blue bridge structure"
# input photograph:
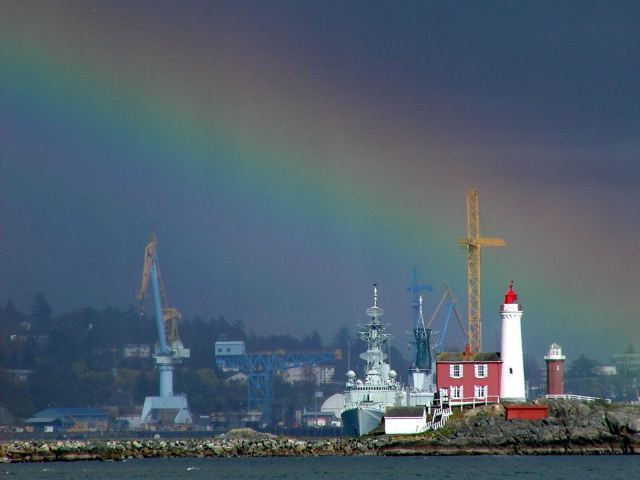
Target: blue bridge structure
(261, 367)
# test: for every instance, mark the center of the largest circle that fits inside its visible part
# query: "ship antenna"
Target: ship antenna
(375, 294)
(420, 315)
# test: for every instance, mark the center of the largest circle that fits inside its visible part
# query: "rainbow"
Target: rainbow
(229, 128)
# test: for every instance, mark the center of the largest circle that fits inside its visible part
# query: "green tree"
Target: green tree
(40, 312)
(582, 367)
(14, 394)
(532, 370)
(312, 342)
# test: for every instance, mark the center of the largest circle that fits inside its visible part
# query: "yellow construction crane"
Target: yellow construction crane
(170, 315)
(474, 243)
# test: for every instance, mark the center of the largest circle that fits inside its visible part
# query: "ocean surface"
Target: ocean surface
(328, 468)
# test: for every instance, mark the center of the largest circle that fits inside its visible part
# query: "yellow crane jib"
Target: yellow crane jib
(474, 244)
(170, 315)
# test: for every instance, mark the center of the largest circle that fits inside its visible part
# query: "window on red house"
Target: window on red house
(481, 370)
(455, 371)
(480, 391)
(456, 392)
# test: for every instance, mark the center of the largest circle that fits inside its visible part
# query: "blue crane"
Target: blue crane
(451, 309)
(261, 367)
(169, 351)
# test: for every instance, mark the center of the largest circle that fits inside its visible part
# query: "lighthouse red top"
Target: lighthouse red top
(510, 296)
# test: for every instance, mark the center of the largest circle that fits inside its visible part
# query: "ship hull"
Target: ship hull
(359, 421)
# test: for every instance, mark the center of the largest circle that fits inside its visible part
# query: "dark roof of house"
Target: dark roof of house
(70, 412)
(461, 357)
(43, 420)
(404, 412)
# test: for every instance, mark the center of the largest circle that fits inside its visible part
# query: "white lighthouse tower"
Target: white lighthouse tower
(512, 379)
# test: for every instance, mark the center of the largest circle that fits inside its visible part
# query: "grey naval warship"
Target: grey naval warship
(365, 401)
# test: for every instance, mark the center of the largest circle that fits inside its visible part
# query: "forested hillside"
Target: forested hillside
(76, 359)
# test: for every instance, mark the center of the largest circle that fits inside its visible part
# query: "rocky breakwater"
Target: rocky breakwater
(571, 428)
(237, 443)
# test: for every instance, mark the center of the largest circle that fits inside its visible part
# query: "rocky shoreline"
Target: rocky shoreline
(572, 428)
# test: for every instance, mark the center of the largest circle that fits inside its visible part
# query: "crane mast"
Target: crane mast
(474, 244)
(169, 351)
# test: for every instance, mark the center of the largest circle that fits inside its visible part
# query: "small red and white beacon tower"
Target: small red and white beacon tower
(555, 370)
(512, 377)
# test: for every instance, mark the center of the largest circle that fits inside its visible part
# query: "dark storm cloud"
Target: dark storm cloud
(539, 95)
(559, 74)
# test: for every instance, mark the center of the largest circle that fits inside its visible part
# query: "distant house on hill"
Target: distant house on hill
(134, 350)
(627, 363)
(317, 374)
(466, 378)
(69, 420)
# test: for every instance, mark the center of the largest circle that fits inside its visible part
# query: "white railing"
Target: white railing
(474, 401)
(581, 398)
(443, 414)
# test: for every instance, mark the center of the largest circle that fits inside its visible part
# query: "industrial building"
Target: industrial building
(318, 374)
(69, 420)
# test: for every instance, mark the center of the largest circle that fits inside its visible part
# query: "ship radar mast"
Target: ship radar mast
(422, 337)
(375, 312)
(373, 335)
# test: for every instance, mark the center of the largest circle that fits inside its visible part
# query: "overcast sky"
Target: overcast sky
(289, 154)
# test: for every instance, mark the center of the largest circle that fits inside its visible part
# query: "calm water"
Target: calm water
(362, 468)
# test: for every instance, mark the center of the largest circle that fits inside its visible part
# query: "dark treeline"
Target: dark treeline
(76, 359)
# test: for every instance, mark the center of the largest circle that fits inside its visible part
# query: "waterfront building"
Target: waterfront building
(466, 378)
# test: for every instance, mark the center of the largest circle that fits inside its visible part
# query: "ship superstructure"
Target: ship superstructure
(422, 381)
(365, 401)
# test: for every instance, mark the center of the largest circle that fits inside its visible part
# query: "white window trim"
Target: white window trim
(452, 394)
(484, 368)
(481, 391)
(452, 370)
